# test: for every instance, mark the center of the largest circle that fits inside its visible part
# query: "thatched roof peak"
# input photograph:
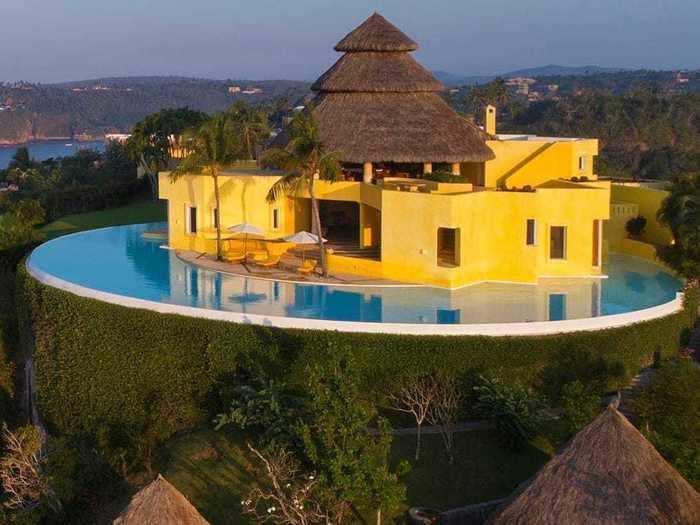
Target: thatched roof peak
(158, 503)
(608, 474)
(376, 34)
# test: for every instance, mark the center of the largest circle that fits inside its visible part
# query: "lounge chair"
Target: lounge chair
(234, 257)
(307, 267)
(269, 262)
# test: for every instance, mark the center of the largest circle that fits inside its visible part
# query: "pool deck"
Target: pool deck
(285, 271)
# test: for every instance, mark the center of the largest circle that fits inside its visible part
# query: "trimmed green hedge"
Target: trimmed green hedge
(103, 364)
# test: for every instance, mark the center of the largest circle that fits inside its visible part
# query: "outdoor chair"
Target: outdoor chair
(307, 267)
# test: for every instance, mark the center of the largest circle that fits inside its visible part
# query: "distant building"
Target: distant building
(252, 91)
(8, 188)
(681, 78)
(232, 90)
(117, 137)
(521, 84)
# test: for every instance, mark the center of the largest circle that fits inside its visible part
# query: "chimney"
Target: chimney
(490, 120)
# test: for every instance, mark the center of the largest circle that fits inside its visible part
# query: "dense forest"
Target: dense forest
(91, 108)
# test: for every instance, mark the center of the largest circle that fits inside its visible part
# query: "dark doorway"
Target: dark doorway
(340, 221)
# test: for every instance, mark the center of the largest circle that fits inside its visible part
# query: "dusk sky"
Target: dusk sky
(59, 40)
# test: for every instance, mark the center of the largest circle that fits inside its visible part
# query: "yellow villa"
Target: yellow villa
(506, 208)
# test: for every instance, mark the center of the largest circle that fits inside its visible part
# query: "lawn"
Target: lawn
(134, 213)
(213, 470)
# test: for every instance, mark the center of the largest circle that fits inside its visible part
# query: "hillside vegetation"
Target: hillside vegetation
(90, 108)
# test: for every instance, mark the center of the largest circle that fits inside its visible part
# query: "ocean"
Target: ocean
(46, 149)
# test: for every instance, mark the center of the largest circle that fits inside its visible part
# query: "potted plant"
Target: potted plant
(635, 226)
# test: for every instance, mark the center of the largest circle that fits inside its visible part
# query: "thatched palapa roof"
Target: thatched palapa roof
(160, 503)
(608, 474)
(377, 104)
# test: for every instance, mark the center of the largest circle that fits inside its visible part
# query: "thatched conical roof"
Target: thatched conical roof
(608, 474)
(377, 104)
(160, 503)
(376, 34)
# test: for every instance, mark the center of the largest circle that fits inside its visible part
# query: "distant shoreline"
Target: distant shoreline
(82, 140)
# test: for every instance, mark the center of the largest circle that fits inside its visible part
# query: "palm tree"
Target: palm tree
(304, 160)
(252, 125)
(212, 147)
(680, 211)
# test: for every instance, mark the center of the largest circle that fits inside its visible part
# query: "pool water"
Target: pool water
(120, 261)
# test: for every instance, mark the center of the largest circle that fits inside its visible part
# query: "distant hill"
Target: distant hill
(451, 79)
(89, 108)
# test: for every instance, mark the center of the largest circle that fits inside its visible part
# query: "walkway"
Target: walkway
(284, 272)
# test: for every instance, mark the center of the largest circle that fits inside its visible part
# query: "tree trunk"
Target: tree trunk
(219, 255)
(316, 226)
(152, 177)
(418, 442)
(379, 516)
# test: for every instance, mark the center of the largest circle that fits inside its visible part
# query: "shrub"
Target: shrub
(444, 176)
(635, 226)
(516, 412)
(579, 405)
(669, 412)
(104, 365)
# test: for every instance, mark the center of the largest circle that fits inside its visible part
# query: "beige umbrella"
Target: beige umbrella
(304, 238)
(245, 229)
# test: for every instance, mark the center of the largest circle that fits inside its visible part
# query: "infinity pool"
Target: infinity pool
(119, 261)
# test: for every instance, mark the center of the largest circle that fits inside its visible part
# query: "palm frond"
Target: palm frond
(290, 184)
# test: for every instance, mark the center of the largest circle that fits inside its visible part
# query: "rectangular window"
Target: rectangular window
(531, 232)
(581, 163)
(448, 316)
(557, 242)
(215, 219)
(191, 220)
(447, 252)
(275, 219)
(596, 243)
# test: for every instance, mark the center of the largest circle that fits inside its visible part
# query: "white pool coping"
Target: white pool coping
(483, 329)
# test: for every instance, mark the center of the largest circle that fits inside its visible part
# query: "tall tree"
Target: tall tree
(352, 464)
(252, 125)
(212, 147)
(680, 211)
(153, 141)
(304, 160)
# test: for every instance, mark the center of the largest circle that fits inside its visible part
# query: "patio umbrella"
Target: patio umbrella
(303, 237)
(245, 229)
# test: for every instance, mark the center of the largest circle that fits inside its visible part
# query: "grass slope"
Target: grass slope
(135, 213)
(214, 471)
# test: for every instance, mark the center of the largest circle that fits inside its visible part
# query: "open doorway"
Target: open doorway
(340, 221)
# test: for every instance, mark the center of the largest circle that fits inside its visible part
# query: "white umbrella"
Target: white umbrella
(303, 237)
(245, 229)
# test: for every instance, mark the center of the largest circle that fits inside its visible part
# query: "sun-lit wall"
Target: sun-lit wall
(648, 201)
(533, 162)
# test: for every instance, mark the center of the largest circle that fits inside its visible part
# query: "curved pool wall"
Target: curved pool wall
(118, 265)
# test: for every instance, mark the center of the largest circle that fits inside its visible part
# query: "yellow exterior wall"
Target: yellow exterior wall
(648, 201)
(533, 162)
(491, 224)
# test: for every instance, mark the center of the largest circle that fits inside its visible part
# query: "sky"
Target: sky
(60, 40)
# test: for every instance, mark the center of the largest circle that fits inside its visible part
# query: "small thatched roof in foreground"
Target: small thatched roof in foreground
(160, 503)
(608, 475)
(376, 34)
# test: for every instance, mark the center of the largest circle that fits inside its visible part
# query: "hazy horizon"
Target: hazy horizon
(72, 40)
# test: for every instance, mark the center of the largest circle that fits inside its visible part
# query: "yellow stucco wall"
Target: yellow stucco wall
(491, 236)
(533, 162)
(648, 201)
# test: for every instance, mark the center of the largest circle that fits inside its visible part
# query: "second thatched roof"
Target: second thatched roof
(608, 475)
(160, 503)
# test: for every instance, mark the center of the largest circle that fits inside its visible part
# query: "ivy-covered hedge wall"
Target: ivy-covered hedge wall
(102, 364)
